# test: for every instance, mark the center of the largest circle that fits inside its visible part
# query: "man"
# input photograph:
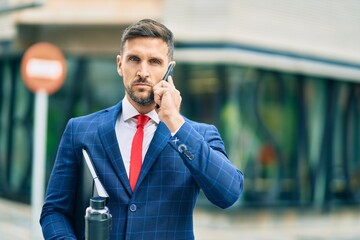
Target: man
(179, 157)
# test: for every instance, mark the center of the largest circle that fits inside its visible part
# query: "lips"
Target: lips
(142, 85)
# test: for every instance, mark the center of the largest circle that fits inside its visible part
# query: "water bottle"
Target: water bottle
(97, 220)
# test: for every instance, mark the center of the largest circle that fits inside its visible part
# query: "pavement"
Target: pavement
(231, 224)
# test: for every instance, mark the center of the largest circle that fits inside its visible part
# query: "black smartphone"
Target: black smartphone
(167, 74)
(169, 71)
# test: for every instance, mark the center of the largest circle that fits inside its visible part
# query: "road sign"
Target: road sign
(43, 68)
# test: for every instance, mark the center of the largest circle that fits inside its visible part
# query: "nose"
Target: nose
(143, 71)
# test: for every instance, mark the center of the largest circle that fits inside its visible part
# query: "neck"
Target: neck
(141, 108)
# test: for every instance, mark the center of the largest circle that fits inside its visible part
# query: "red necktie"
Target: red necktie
(136, 150)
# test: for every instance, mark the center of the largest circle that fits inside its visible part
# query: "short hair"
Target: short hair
(149, 28)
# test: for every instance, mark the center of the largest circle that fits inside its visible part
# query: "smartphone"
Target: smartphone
(169, 71)
(167, 74)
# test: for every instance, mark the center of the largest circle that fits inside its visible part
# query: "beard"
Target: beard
(140, 100)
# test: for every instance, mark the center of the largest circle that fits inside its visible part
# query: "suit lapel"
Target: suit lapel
(110, 144)
(159, 141)
(109, 141)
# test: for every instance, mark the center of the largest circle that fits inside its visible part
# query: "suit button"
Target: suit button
(132, 207)
(189, 155)
(183, 149)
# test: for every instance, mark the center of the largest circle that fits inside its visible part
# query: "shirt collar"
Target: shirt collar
(129, 112)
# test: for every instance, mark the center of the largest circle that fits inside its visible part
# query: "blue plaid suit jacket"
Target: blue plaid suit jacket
(175, 168)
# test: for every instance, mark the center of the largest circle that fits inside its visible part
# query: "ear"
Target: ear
(118, 62)
(173, 63)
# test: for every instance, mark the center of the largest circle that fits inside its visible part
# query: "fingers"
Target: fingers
(166, 91)
(171, 81)
(159, 91)
(163, 86)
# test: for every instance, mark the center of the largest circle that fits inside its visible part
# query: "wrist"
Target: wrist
(173, 123)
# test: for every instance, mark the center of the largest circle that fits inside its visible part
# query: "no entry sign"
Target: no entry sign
(43, 68)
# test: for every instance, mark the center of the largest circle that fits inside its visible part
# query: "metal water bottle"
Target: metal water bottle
(97, 220)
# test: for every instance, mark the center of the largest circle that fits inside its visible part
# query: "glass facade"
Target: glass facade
(295, 137)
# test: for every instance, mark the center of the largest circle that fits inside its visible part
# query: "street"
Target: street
(230, 224)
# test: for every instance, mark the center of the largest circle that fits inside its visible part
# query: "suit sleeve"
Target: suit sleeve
(57, 213)
(203, 152)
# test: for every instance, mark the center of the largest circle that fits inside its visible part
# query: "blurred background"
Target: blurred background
(280, 79)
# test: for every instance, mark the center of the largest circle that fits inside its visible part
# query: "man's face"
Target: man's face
(142, 65)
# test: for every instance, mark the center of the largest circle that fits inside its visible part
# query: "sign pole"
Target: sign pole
(43, 69)
(39, 156)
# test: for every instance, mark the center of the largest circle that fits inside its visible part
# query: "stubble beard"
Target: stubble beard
(140, 100)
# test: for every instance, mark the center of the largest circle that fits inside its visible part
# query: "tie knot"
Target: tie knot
(142, 120)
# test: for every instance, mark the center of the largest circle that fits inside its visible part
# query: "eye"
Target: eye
(134, 59)
(155, 61)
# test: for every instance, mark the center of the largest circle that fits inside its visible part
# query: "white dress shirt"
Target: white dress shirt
(125, 128)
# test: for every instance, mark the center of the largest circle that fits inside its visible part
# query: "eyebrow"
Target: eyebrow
(132, 55)
(150, 58)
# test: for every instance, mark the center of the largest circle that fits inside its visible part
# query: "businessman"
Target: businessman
(151, 160)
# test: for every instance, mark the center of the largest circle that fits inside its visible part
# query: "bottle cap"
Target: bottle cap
(98, 203)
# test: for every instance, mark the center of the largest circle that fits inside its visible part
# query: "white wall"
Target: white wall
(325, 29)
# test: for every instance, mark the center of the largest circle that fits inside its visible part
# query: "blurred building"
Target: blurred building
(280, 79)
